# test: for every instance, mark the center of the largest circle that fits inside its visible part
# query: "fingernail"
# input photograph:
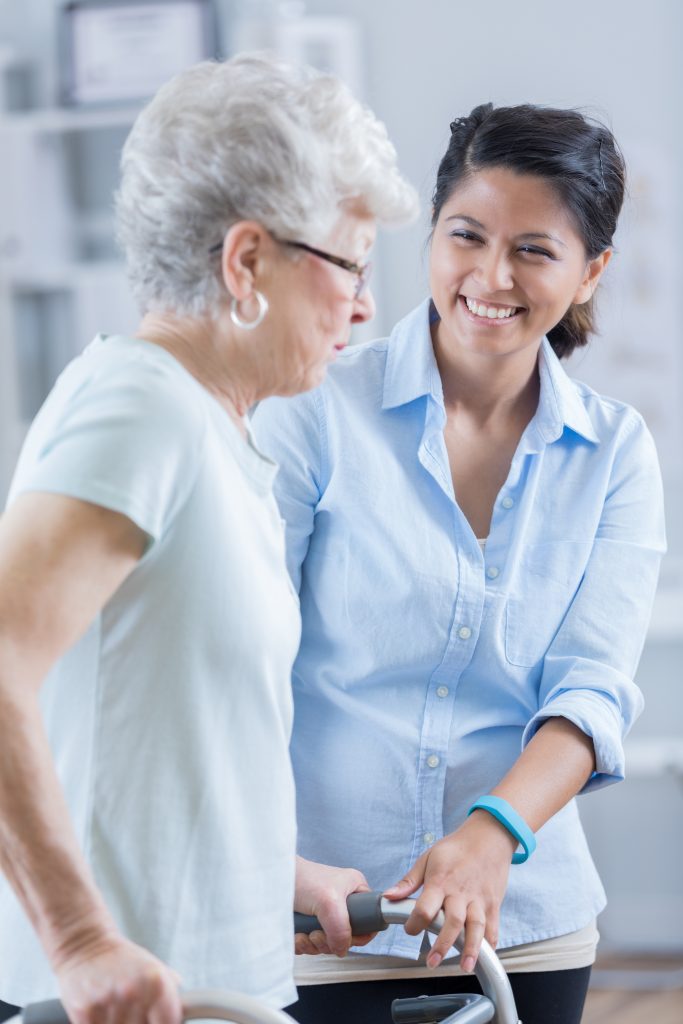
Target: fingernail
(392, 891)
(434, 959)
(468, 964)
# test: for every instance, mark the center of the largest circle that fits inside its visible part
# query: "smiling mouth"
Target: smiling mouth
(490, 310)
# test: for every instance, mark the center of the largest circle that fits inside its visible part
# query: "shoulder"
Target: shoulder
(612, 419)
(123, 381)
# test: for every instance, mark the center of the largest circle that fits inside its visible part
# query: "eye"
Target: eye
(535, 252)
(465, 236)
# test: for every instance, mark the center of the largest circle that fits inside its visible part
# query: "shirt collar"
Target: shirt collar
(411, 369)
(560, 404)
(411, 372)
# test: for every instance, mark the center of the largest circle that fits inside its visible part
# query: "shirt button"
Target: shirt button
(507, 502)
(464, 632)
(442, 691)
(433, 761)
(429, 838)
(492, 572)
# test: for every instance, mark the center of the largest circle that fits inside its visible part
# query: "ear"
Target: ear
(593, 273)
(244, 251)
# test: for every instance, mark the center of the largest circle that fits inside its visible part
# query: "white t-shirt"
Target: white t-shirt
(170, 719)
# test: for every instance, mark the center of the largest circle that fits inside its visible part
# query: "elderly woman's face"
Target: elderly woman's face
(315, 301)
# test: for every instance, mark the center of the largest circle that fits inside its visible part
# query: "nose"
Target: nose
(363, 308)
(494, 272)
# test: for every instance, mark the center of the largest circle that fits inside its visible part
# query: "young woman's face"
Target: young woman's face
(506, 263)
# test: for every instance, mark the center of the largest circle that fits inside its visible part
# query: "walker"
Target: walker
(369, 912)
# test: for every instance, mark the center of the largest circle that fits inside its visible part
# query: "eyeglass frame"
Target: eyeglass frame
(361, 270)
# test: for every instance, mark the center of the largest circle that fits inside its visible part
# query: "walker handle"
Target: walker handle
(199, 1004)
(365, 914)
(50, 1011)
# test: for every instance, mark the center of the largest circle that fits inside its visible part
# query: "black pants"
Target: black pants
(545, 997)
(7, 1011)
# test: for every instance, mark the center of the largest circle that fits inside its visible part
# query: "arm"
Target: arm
(61, 559)
(466, 873)
(289, 431)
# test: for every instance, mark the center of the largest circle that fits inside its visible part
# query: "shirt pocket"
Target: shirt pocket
(549, 576)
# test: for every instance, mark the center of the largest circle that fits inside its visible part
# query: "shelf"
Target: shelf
(57, 120)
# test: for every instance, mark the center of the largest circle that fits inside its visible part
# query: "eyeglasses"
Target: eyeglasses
(361, 271)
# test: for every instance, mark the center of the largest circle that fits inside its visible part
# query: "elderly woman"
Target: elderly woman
(146, 801)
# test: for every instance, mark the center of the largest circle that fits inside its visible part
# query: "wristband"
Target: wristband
(513, 822)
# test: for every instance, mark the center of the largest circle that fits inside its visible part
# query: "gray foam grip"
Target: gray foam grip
(49, 1012)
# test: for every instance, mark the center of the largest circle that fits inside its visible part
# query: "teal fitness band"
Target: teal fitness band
(513, 822)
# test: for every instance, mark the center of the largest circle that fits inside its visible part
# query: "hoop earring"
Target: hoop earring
(249, 325)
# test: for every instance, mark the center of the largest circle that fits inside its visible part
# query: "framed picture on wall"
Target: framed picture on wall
(117, 51)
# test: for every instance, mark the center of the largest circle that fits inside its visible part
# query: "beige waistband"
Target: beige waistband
(562, 953)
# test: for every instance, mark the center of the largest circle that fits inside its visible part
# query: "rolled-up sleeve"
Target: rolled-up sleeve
(588, 669)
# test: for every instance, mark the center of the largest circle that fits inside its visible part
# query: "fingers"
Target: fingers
(410, 882)
(312, 944)
(167, 1005)
(472, 922)
(334, 918)
(475, 925)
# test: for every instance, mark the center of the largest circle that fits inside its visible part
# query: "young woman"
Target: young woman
(476, 540)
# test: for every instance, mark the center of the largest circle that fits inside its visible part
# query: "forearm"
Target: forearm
(39, 853)
(551, 770)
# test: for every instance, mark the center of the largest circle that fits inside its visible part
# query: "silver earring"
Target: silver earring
(249, 325)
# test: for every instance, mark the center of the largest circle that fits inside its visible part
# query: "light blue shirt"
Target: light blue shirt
(426, 665)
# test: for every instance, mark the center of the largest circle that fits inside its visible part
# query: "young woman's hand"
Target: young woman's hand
(322, 890)
(465, 875)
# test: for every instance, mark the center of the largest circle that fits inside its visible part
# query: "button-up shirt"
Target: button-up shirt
(426, 663)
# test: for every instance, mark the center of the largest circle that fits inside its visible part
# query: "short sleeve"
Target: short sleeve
(291, 432)
(127, 436)
(589, 668)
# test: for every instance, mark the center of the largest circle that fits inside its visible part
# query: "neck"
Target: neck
(487, 386)
(210, 350)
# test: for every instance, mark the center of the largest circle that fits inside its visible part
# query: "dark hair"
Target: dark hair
(577, 156)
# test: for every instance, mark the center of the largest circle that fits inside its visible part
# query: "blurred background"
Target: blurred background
(72, 78)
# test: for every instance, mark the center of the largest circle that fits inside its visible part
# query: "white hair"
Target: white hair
(252, 138)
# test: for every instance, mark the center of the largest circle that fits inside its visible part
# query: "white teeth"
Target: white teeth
(490, 312)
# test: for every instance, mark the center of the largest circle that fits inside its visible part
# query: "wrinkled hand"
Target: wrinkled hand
(465, 875)
(113, 981)
(322, 890)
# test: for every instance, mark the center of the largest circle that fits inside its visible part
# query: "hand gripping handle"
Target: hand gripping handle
(365, 914)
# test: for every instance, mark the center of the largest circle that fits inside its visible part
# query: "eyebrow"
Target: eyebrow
(526, 235)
